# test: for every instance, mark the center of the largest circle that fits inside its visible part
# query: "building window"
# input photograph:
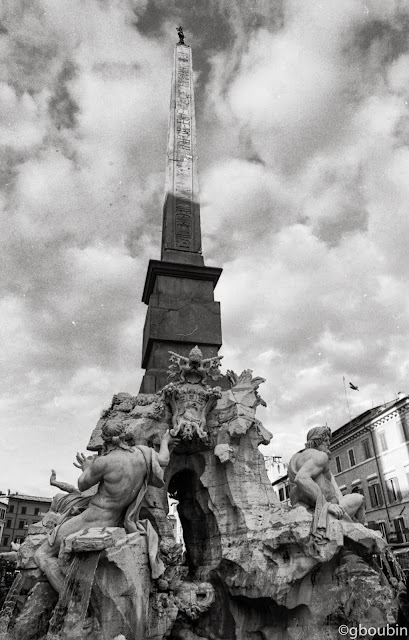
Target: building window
(23, 510)
(36, 511)
(18, 539)
(393, 491)
(21, 524)
(351, 457)
(8, 524)
(11, 508)
(287, 491)
(367, 448)
(382, 441)
(399, 524)
(405, 429)
(357, 488)
(338, 464)
(6, 541)
(378, 526)
(375, 495)
(281, 494)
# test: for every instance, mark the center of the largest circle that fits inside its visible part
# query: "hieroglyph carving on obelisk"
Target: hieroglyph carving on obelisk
(181, 215)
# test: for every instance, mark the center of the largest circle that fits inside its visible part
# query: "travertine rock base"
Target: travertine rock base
(251, 568)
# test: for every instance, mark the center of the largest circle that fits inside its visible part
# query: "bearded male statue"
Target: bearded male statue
(120, 475)
(313, 485)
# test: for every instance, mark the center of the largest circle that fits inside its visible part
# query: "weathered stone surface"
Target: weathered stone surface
(252, 567)
(36, 535)
(144, 416)
(121, 589)
(33, 621)
(163, 612)
(93, 539)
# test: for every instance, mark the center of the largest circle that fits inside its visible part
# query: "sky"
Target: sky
(303, 134)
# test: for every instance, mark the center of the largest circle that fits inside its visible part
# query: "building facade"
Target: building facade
(277, 474)
(282, 489)
(21, 512)
(3, 511)
(370, 455)
(275, 467)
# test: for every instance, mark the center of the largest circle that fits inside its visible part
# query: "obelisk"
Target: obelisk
(179, 288)
(181, 237)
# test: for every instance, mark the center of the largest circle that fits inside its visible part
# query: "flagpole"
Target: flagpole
(346, 397)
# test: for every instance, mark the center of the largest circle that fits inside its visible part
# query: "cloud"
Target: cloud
(302, 111)
(84, 121)
(320, 291)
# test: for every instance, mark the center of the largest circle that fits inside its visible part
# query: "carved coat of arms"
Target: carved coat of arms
(189, 397)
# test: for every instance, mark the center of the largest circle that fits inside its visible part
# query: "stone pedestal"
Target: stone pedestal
(181, 313)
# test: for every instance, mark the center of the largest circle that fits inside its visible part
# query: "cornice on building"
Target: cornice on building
(376, 417)
(25, 498)
(281, 479)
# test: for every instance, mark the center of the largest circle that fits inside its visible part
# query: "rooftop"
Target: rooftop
(22, 496)
(364, 418)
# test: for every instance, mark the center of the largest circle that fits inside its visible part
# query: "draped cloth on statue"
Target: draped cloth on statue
(320, 529)
(68, 505)
(132, 524)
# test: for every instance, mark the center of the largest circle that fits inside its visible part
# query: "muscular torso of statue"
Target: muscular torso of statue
(310, 476)
(323, 479)
(122, 475)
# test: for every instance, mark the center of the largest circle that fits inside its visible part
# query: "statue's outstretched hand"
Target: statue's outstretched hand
(336, 510)
(83, 462)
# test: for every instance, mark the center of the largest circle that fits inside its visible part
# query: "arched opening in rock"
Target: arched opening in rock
(200, 531)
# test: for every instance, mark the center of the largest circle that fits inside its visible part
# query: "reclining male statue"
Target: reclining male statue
(122, 473)
(313, 485)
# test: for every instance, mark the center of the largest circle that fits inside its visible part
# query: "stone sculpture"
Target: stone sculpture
(189, 398)
(251, 567)
(122, 473)
(313, 485)
(194, 369)
(181, 35)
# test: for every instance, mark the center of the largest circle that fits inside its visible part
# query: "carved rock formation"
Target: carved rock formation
(251, 568)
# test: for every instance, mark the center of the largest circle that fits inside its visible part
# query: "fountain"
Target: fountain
(104, 565)
(251, 566)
